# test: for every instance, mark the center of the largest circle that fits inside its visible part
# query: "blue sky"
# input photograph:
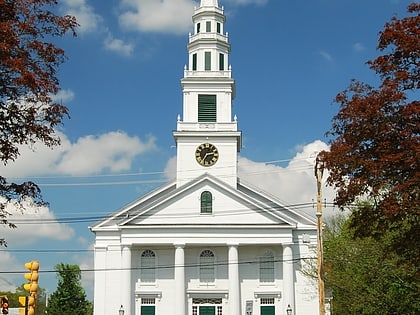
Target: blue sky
(121, 83)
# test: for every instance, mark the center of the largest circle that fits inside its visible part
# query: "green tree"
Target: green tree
(28, 66)
(20, 291)
(70, 297)
(364, 276)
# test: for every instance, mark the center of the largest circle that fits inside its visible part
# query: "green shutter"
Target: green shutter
(208, 26)
(194, 62)
(207, 60)
(218, 27)
(221, 62)
(206, 108)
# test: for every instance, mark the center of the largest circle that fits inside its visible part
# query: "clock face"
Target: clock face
(206, 154)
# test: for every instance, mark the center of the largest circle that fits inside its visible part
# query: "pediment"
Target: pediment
(172, 206)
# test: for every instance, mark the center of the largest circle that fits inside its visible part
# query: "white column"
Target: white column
(234, 290)
(126, 289)
(180, 295)
(288, 278)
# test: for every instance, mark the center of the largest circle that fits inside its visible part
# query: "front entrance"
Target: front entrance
(267, 306)
(207, 306)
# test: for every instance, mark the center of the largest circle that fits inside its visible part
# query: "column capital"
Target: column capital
(179, 245)
(232, 244)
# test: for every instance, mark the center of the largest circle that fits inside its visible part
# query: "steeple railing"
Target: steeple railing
(207, 126)
(208, 74)
(208, 36)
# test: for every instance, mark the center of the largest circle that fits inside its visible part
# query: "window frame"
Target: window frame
(148, 266)
(206, 202)
(207, 60)
(266, 268)
(207, 272)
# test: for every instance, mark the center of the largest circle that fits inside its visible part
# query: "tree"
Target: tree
(70, 297)
(28, 65)
(375, 148)
(363, 276)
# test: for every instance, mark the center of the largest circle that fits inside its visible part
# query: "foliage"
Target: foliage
(376, 140)
(364, 276)
(28, 65)
(70, 297)
(14, 298)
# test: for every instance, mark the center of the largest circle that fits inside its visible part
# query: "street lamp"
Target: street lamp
(289, 310)
(121, 311)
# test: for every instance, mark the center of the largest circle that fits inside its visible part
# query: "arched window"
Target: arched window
(147, 266)
(206, 266)
(206, 202)
(267, 267)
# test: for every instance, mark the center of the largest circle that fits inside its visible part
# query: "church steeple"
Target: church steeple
(208, 90)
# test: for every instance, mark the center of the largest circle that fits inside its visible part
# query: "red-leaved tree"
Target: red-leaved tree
(28, 65)
(375, 146)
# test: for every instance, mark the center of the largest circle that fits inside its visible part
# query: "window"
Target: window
(218, 29)
(206, 266)
(221, 61)
(206, 201)
(198, 28)
(267, 267)
(194, 61)
(147, 266)
(207, 60)
(208, 26)
(206, 108)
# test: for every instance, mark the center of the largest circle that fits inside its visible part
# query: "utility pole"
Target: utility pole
(319, 169)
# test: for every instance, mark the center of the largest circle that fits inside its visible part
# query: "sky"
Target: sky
(121, 83)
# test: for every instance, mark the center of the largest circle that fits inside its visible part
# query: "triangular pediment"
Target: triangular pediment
(171, 206)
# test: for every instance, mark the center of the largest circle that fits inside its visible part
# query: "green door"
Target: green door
(268, 310)
(147, 310)
(207, 310)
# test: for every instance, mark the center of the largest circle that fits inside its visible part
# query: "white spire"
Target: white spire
(209, 3)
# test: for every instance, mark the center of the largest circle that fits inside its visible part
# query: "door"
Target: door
(268, 310)
(207, 310)
(147, 310)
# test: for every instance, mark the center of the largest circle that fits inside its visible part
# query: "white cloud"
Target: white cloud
(326, 55)
(33, 223)
(85, 15)
(63, 96)
(89, 155)
(294, 183)
(169, 16)
(118, 46)
(358, 47)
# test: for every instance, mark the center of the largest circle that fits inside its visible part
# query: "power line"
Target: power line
(170, 266)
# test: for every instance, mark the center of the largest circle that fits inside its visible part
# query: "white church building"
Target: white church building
(205, 243)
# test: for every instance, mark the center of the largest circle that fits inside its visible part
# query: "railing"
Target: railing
(207, 126)
(209, 35)
(211, 74)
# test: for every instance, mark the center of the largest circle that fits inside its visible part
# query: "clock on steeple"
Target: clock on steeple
(207, 136)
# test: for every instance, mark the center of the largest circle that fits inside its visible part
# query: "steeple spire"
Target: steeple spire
(209, 3)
